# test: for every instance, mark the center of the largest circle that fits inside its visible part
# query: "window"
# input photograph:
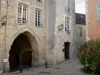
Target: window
(67, 24)
(22, 13)
(67, 6)
(80, 32)
(38, 17)
(98, 11)
(39, 1)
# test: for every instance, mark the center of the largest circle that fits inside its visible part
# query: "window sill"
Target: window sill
(22, 23)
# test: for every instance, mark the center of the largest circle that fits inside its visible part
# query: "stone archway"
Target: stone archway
(21, 52)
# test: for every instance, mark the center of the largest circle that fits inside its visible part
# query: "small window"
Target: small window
(38, 17)
(98, 11)
(80, 32)
(22, 13)
(39, 1)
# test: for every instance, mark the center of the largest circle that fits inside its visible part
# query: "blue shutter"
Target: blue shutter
(98, 11)
(67, 24)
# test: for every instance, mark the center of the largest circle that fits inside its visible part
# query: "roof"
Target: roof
(80, 19)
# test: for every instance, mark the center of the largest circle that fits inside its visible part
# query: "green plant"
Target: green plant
(89, 56)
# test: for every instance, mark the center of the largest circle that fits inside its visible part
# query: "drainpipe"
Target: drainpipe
(5, 32)
(86, 9)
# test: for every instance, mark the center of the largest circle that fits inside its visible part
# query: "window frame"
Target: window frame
(38, 17)
(67, 24)
(23, 12)
(98, 18)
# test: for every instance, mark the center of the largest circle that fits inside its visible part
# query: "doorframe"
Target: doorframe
(67, 50)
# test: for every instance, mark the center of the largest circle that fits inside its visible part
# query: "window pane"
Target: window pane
(98, 11)
(98, 17)
(38, 17)
(19, 12)
(22, 13)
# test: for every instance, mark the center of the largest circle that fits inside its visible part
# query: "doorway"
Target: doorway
(20, 53)
(66, 50)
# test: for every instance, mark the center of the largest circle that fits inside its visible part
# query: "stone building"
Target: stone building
(80, 29)
(92, 19)
(61, 27)
(34, 31)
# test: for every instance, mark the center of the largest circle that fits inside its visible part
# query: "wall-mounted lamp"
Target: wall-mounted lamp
(60, 27)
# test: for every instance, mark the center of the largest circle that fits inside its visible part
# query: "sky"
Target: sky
(80, 6)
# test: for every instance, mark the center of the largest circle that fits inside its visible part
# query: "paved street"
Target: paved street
(70, 67)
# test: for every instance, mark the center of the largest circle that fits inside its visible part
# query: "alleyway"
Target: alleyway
(70, 67)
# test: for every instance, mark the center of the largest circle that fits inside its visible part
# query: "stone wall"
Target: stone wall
(50, 39)
(56, 37)
(13, 29)
(80, 40)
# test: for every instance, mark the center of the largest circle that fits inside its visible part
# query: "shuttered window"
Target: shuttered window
(98, 11)
(67, 24)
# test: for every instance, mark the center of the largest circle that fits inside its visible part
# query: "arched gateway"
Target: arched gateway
(21, 52)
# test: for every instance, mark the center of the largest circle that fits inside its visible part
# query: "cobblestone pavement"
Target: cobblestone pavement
(70, 67)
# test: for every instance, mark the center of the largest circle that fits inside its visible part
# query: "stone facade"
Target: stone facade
(56, 18)
(92, 22)
(13, 29)
(80, 35)
(47, 41)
